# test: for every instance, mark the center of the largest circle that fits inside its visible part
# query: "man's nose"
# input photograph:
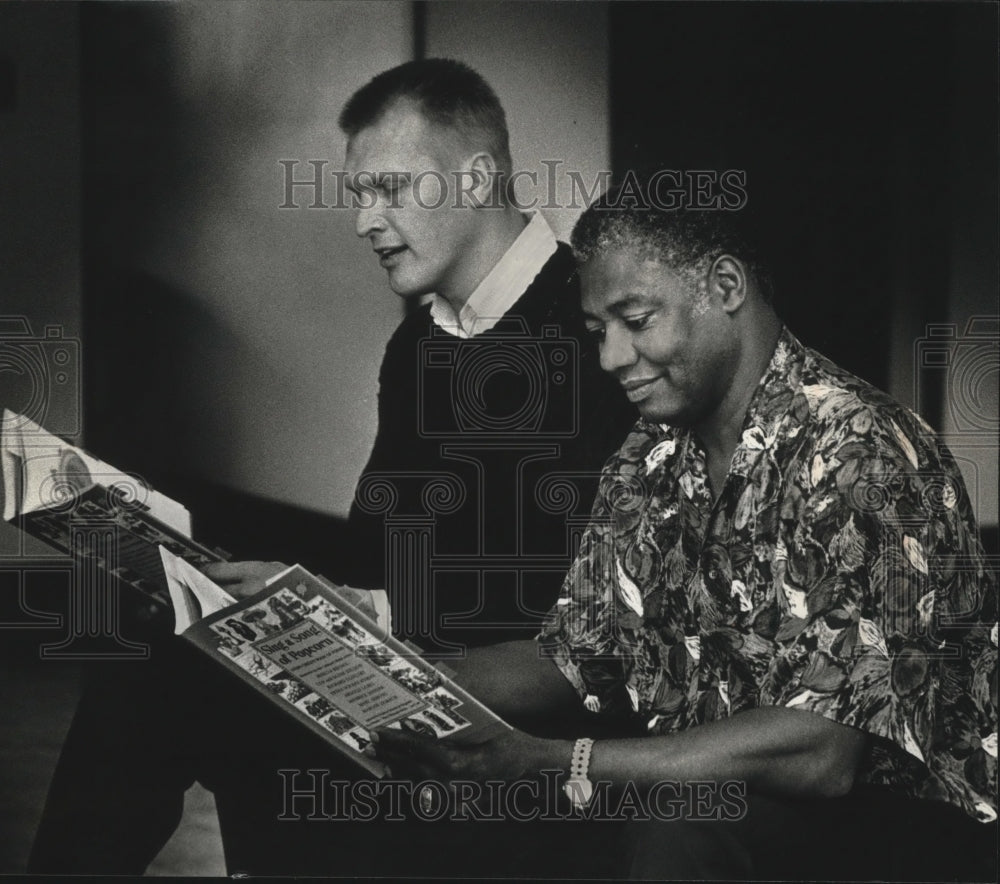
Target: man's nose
(617, 351)
(369, 220)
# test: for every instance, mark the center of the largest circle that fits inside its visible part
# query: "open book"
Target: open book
(304, 645)
(83, 506)
(80, 505)
(323, 653)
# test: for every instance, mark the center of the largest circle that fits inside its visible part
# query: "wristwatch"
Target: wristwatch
(578, 787)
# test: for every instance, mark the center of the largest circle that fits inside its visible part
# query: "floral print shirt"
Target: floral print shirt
(839, 571)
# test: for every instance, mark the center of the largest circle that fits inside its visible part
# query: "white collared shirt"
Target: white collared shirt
(502, 286)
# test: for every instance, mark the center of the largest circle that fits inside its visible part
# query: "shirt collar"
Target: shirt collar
(770, 413)
(780, 378)
(503, 285)
(766, 415)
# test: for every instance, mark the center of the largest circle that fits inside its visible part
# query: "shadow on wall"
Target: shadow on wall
(155, 406)
(151, 434)
(148, 345)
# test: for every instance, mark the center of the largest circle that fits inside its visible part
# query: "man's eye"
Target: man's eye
(390, 186)
(596, 333)
(637, 323)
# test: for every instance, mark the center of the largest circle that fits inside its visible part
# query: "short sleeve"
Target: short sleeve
(886, 607)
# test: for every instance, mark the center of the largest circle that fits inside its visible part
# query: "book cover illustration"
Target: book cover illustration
(333, 666)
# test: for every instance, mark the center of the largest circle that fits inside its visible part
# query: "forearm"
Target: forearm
(518, 683)
(773, 750)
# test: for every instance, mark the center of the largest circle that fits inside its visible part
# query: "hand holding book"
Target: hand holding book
(323, 653)
(242, 579)
(303, 644)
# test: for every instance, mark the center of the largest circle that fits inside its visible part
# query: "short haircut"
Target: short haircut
(686, 240)
(447, 92)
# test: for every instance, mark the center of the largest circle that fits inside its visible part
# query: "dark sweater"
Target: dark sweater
(460, 512)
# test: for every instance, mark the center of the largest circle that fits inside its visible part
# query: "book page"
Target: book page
(45, 472)
(373, 603)
(192, 594)
(11, 457)
(120, 535)
(336, 669)
(333, 670)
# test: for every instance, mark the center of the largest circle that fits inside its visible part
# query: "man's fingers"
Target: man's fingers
(420, 757)
(242, 579)
(395, 745)
(396, 740)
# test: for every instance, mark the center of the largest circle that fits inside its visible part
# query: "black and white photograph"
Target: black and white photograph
(644, 356)
(338, 723)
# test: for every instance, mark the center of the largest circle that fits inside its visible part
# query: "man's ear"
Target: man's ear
(727, 279)
(479, 176)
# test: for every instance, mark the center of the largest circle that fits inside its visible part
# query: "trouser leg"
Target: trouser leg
(772, 838)
(872, 834)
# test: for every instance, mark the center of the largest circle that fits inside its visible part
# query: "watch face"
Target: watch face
(579, 791)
